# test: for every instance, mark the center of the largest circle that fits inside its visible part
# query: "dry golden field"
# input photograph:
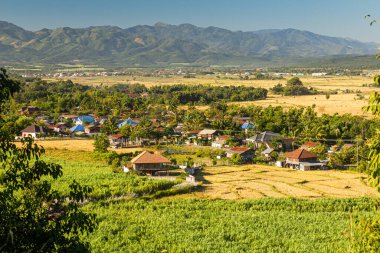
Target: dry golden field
(77, 145)
(340, 103)
(257, 181)
(323, 82)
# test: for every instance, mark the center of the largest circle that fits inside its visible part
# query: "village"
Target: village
(246, 146)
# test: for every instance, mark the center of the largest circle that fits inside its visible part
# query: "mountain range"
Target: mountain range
(164, 44)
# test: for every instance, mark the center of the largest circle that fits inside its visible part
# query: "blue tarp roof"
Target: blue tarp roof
(77, 128)
(86, 118)
(125, 122)
(247, 125)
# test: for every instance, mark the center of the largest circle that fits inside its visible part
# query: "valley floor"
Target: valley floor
(258, 181)
(188, 223)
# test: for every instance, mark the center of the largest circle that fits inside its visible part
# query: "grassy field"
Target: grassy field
(223, 220)
(266, 225)
(88, 168)
(341, 103)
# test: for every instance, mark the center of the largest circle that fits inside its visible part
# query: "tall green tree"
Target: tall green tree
(101, 143)
(33, 217)
(374, 144)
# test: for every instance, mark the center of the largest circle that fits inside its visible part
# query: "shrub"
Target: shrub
(236, 159)
(101, 143)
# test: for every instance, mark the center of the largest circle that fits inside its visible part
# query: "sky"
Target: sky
(340, 18)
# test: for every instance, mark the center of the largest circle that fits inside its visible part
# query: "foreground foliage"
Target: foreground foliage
(33, 217)
(275, 225)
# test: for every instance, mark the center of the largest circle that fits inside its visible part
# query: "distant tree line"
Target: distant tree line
(205, 94)
(66, 96)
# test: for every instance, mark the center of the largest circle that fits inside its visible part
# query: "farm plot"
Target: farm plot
(77, 145)
(257, 181)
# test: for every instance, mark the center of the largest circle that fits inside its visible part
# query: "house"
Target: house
(118, 140)
(287, 144)
(310, 145)
(267, 152)
(60, 127)
(149, 163)
(220, 141)
(33, 131)
(102, 121)
(264, 138)
(84, 120)
(30, 110)
(192, 133)
(242, 120)
(77, 128)
(247, 154)
(191, 136)
(302, 159)
(208, 134)
(247, 126)
(92, 129)
(178, 129)
(67, 117)
(128, 121)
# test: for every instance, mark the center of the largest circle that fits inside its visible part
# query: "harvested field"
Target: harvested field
(351, 97)
(322, 82)
(256, 181)
(337, 103)
(78, 145)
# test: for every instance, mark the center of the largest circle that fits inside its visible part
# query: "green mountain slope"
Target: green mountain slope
(164, 44)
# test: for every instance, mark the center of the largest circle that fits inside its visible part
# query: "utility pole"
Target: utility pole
(357, 153)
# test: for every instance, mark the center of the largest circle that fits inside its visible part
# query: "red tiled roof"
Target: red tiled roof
(59, 124)
(116, 136)
(239, 150)
(146, 157)
(224, 137)
(300, 154)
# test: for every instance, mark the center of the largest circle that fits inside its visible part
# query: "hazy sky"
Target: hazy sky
(343, 18)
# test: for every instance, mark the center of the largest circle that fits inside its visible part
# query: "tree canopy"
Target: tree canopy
(33, 217)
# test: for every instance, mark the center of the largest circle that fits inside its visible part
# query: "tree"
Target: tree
(110, 125)
(277, 89)
(7, 86)
(374, 144)
(294, 81)
(236, 159)
(320, 151)
(33, 217)
(101, 143)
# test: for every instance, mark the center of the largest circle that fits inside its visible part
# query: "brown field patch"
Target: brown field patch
(77, 145)
(337, 103)
(257, 181)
